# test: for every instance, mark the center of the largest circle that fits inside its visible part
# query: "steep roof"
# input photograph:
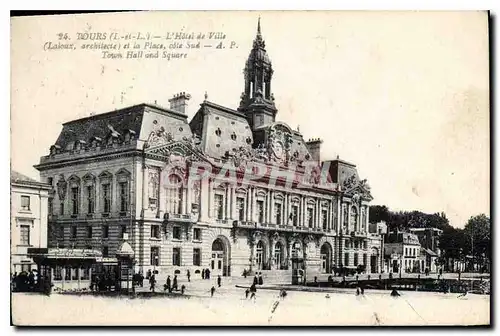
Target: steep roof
(18, 177)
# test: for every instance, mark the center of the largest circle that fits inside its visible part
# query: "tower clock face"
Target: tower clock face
(277, 148)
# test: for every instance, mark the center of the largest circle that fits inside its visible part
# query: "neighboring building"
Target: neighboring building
(28, 226)
(429, 239)
(377, 232)
(137, 170)
(403, 250)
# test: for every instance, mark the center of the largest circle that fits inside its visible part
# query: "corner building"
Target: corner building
(130, 172)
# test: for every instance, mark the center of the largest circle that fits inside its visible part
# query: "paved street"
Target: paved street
(229, 307)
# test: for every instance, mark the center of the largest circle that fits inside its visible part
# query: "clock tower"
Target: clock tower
(257, 101)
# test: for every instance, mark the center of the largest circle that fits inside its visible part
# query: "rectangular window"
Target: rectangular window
(58, 273)
(219, 202)
(73, 231)
(74, 273)
(60, 231)
(310, 217)
(295, 214)
(105, 251)
(61, 208)
(90, 199)
(176, 256)
(50, 180)
(324, 219)
(176, 232)
(347, 244)
(365, 258)
(124, 230)
(25, 203)
(260, 211)
(197, 234)
(25, 235)
(105, 231)
(196, 257)
(240, 205)
(106, 198)
(355, 259)
(89, 232)
(155, 256)
(346, 259)
(84, 273)
(155, 231)
(75, 204)
(277, 213)
(123, 196)
(67, 273)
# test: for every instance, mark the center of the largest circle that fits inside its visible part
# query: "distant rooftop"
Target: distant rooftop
(18, 178)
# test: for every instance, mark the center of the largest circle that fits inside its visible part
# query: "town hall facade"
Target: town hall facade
(178, 190)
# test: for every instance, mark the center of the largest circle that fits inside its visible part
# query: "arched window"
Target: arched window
(175, 193)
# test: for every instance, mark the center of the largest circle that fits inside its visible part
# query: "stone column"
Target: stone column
(234, 210)
(210, 198)
(226, 203)
(204, 202)
(189, 196)
(184, 200)
(285, 209)
(271, 208)
(162, 196)
(252, 205)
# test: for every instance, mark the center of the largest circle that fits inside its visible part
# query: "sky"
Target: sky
(403, 95)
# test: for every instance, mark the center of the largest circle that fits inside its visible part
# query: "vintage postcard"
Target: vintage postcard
(274, 168)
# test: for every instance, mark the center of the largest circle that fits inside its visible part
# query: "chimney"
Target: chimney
(179, 102)
(314, 147)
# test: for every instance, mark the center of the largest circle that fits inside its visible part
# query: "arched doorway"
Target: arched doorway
(260, 253)
(278, 255)
(219, 263)
(326, 258)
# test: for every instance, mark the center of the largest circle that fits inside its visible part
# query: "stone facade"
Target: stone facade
(230, 190)
(28, 225)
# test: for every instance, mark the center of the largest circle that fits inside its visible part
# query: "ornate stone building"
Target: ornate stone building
(228, 190)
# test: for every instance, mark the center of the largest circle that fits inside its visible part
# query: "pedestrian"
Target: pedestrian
(188, 274)
(169, 283)
(395, 293)
(253, 290)
(357, 291)
(245, 273)
(174, 286)
(283, 294)
(148, 274)
(203, 274)
(261, 281)
(219, 281)
(255, 280)
(212, 291)
(183, 288)
(207, 276)
(362, 290)
(141, 280)
(152, 283)
(247, 291)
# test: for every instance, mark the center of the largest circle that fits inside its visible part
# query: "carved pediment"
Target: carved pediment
(358, 192)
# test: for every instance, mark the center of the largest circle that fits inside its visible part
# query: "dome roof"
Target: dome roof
(125, 250)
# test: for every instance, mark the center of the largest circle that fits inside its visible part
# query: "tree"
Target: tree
(478, 238)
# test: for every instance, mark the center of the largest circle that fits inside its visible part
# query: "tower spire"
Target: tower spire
(258, 27)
